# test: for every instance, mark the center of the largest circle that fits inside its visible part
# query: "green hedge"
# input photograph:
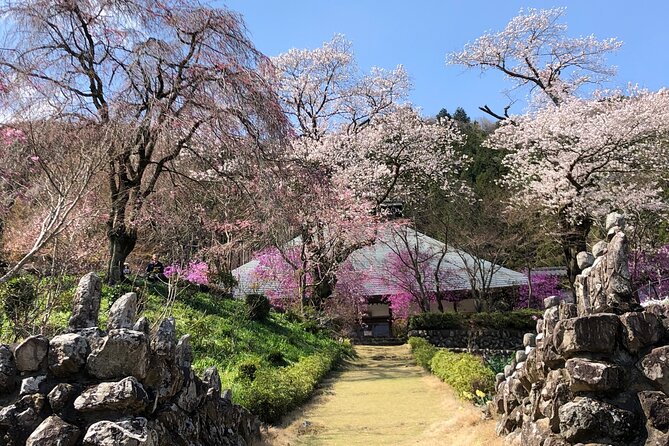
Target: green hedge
(422, 351)
(514, 320)
(465, 372)
(274, 392)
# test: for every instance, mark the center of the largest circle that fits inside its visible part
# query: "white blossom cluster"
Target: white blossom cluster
(587, 156)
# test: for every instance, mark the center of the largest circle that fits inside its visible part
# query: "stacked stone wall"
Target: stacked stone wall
(127, 386)
(597, 371)
(473, 340)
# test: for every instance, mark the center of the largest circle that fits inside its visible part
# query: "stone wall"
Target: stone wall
(473, 340)
(127, 386)
(596, 371)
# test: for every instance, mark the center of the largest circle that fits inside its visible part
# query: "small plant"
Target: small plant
(496, 363)
(247, 370)
(257, 307)
(19, 303)
(422, 351)
(465, 372)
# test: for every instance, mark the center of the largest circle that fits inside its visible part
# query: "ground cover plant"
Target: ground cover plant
(272, 365)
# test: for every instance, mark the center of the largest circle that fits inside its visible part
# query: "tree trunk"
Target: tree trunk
(121, 243)
(573, 241)
(323, 290)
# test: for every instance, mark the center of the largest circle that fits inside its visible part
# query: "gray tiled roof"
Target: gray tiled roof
(374, 261)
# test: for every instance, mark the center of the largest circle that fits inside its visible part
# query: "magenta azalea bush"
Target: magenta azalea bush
(195, 272)
(649, 271)
(543, 285)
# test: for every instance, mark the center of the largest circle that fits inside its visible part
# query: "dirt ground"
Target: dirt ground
(382, 398)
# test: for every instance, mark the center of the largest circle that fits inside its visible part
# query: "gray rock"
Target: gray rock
(163, 343)
(7, 370)
(125, 396)
(184, 352)
(122, 353)
(23, 416)
(86, 306)
(213, 380)
(530, 340)
(597, 333)
(227, 393)
(655, 406)
(190, 395)
(521, 356)
(60, 396)
(54, 432)
(30, 355)
(615, 219)
(588, 420)
(31, 384)
(593, 376)
(600, 248)
(655, 366)
(123, 312)
(129, 432)
(584, 260)
(142, 325)
(551, 301)
(641, 330)
(67, 354)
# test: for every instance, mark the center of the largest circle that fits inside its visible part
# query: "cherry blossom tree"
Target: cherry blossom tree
(63, 166)
(585, 157)
(534, 51)
(159, 79)
(576, 156)
(355, 146)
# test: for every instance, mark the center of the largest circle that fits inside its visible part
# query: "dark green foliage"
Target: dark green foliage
(422, 351)
(514, 320)
(257, 307)
(436, 321)
(19, 299)
(276, 358)
(496, 363)
(247, 369)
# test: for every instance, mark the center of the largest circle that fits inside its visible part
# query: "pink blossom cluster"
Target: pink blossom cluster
(195, 272)
(543, 285)
(11, 135)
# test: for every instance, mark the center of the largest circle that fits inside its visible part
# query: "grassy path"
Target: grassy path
(381, 398)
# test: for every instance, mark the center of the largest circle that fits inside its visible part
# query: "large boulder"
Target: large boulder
(86, 306)
(123, 312)
(18, 420)
(128, 432)
(598, 333)
(7, 370)
(60, 396)
(54, 432)
(165, 376)
(593, 376)
(641, 330)
(122, 353)
(126, 395)
(30, 355)
(655, 406)
(587, 420)
(67, 354)
(655, 366)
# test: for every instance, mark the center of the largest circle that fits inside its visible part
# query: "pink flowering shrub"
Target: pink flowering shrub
(195, 272)
(649, 271)
(543, 285)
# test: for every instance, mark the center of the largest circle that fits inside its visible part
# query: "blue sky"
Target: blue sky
(419, 33)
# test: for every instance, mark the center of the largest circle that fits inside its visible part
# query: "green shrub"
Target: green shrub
(276, 391)
(496, 363)
(515, 320)
(247, 369)
(257, 306)
(436, 321)
(422, 351)
(466, 373)
(276, 358)
(19, 300)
